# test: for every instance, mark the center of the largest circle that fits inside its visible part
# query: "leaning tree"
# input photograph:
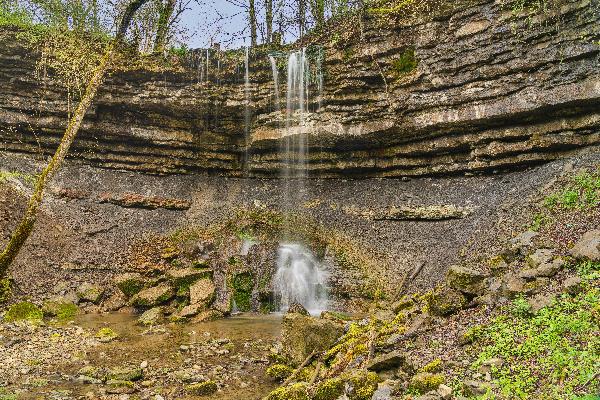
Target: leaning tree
(25, 226)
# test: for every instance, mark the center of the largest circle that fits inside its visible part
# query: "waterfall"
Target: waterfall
(299, 277)
(247, 111)
(273, 62)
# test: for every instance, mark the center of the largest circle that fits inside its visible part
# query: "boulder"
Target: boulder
(202, 292)
(301, 335)
(386, 362)
(424, 382)
(539, 301)
(153, 296)
(130, 284)
(540, 257)
(183, 278)
(90, 293)
(125, 373)
(445, 301)
(588, 247)
(523, 242)
(208, 315)
(297, 308)
(466, 280)
(190, 310)
(572, 285)
(151, 317)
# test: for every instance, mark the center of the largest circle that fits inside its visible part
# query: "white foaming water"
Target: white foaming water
(300, 278)
(275, 82)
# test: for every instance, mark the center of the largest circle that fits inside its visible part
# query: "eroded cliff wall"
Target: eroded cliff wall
(491, 90)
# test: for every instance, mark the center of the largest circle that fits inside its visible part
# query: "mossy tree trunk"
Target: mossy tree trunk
(253, 23)
(269, 20)
(163, 26)
(23, 230)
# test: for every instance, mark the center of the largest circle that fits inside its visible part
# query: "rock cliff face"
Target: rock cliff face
(491, 89)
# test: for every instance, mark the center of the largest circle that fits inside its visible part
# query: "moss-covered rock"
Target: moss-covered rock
(115, 386)
(444, 301)
(183, 278)
(125, 374)
(24, 311)
(466, 280)
(434, 366)
(301, 335)
(151, 317)
(279, 371)
(130, 284)
(154, 296)
(329, 389)
(105, 335)
(205, 388)
(424, 382)
(361, 384)
(60, 308)
(91, 293)
(297, 391)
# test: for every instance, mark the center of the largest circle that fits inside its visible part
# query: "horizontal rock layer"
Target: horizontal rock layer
(493, 89)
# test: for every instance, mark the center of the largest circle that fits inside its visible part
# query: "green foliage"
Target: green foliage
(474, 333)
(13, 16)
(554, 354)
(6, 395)
(24, 311)
(581, 193)
(407, 62)
(520, 307)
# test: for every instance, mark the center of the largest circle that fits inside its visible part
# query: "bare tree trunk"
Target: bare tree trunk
(269, 19)
(253, 23)
(163, 26)
(317, 9)
(23, 230)
(301, 17)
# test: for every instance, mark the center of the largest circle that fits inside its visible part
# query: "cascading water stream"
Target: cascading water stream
(275, 71)
(299, 277)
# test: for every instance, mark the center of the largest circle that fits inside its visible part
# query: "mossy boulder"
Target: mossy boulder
(279, 371)
(125, 374)
(130, 284)
(361, 384)
(466, 280)
(205, 388)
(90, 293)
(154, 296)
(105, 335)
(183, 278)
(386, 362)
(24, 311)
(61, 308)
(115, 386)
(301, 335)
(297, 391)
(329, 389)
(424, 382)
(151, 317)
(445, 301)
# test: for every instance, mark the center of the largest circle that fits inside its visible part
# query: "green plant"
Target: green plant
(520, 307)
(582, 192)
(407, 62)
(554, 354)
(5, 290)
(24, 311)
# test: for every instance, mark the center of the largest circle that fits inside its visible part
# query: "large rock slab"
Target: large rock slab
(202, 292)
(588, 247)
(466, 280)
(301, 335)
(153, 296)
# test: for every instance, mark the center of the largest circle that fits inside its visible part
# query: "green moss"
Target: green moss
(5, 290)
(117, 384)
(473, 333)
(106, 335)
(66, 311)
(297, 391)
(434, 366)
(279, 371)
(406, 63)
(424, 382)
(329, 389)
(125, 374)
(6, 395)
(24, 311)
(242, 290)
(131, 286)
(202, 389)
(363, 384)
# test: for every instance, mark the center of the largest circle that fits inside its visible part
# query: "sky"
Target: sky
(216, 20)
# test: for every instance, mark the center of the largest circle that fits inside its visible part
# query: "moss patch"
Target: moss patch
(363, 384)
(24, 311)
(329, 389)
(106, 335)
(202, 389)
(296, 391)
(242, 290)
(406, 63)
(279, 371)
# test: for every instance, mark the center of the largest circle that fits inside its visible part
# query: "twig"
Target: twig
(297, 370)
(315, 375)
